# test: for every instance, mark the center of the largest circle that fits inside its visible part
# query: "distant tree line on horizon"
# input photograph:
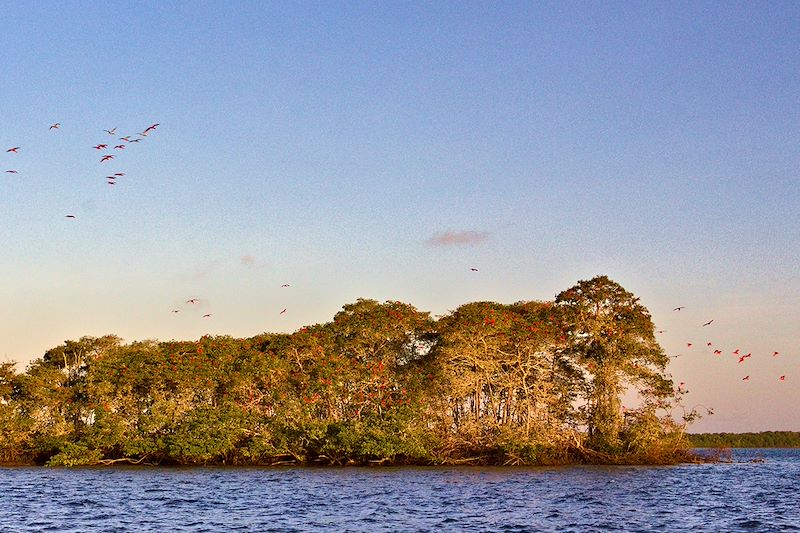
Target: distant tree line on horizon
(763, 439)
(382, 383)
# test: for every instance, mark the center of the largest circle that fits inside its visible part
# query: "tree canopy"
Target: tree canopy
(524, 383)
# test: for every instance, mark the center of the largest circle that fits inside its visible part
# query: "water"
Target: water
(742, 496)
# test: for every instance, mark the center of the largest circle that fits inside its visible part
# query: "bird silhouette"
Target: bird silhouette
(106, 158)
(783, 378)
(112, 131)
(775, 354)
(55, 126)
(285, 285)
(14, 150)
(746, 378)
(192, 301)
(679, 308)
(69, 216)
(208, 315)
(282, 312)
(119, 147)
(708, 323)
(474, 269)
(11, 172)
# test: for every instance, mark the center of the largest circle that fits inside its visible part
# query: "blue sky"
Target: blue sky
(326, 145)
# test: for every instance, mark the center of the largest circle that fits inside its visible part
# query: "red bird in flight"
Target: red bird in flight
(100, 146)
(14, 150)
(192, 301)
(207, 315)
(282, 312)
(150, 128)
(112, 131)
(55, 126)
(717, 352)
(775, 354)
(11, 172)
(746, 378)
(783, 378)
(119, 147)
(285, 285)
(679, 308)
(106, 158)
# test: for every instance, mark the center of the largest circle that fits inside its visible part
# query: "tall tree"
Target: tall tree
(610, 336)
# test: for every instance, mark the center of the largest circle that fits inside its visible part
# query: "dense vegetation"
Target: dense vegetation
(765, 439)
(527, 383)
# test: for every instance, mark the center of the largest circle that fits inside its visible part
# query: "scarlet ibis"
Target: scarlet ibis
(14, 150)
(11, 172)
(150, 128)
(679, 308)
(112, 131)
(55, 126)
(717, 352)
(746, 378)
(119, 147)
(208, 315)
(282, 312)
(106, 158)
(688, 344)
(783, 378)
(192, 301)
(708, 323)
(708, 344)
(127, 138)
(119, 174)
(775, 354)
(736, 351)
(100, 146)
(285, 285)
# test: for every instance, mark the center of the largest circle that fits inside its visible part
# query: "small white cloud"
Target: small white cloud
(458, 238)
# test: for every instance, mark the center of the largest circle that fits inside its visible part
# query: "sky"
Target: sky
(385, 149)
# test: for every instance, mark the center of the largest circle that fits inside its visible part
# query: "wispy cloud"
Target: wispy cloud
(458, 238)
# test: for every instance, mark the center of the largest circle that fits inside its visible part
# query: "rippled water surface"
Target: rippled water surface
(742, 496)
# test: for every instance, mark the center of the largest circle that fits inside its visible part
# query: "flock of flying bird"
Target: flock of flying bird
(742, 357)
(111, 178)
(109, 151)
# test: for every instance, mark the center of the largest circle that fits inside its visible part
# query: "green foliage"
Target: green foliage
(765, 439)
(75, 454)
(382, 383)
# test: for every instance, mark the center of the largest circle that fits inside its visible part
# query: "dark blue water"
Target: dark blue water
(741, 496)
